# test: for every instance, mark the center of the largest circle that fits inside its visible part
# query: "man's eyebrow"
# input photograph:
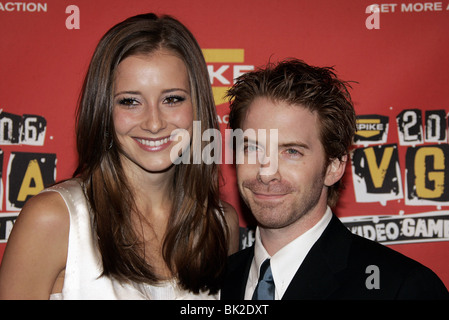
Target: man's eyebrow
(294, 144)
(246, 139)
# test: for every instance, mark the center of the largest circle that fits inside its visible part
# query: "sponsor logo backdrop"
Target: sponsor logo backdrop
(397, 184)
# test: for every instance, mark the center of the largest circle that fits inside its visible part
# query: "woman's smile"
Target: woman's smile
(153, 144)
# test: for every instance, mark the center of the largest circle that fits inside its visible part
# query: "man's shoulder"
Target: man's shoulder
(412, 279)
(363, 250)
(369, 250)
(236, 275)
(241, 257)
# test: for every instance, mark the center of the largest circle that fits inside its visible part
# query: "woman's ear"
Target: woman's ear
(335, 170)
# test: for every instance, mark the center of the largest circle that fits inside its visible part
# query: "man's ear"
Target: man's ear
(335, 170)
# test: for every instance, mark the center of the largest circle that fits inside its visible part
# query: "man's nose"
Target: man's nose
(268, 173)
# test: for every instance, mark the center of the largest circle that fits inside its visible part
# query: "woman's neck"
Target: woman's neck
(152, 193)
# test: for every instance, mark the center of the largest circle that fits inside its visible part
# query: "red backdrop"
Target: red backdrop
(397, 185)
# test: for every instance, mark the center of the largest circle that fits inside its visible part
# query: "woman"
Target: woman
(130, 224)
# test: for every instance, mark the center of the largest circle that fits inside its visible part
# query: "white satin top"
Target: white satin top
(82, 279)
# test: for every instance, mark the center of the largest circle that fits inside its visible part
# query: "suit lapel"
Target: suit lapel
(317, 276)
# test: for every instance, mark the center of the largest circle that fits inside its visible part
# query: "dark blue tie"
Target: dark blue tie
(265, 286)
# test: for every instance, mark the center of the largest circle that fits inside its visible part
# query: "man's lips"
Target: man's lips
(268, 192)
(272, 189)
(268, 195)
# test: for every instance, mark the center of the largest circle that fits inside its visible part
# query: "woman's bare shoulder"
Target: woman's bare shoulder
(46, 210)
(36, 250)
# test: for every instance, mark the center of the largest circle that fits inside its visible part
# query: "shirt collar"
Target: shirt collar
(286, 262)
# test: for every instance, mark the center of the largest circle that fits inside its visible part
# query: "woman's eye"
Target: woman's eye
(129, 102)
(173, 99)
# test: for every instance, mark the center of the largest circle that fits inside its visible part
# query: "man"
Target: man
(302, 250)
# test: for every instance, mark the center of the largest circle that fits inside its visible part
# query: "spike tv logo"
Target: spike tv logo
(371, 129)
(224, 66)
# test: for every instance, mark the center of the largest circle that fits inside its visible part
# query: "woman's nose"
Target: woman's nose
(154, 121)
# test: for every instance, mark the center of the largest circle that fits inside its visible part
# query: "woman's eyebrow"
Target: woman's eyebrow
(127, 92)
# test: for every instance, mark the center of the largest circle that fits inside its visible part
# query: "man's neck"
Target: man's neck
(275, 239)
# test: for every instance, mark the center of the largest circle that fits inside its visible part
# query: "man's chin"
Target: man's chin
(269, 217)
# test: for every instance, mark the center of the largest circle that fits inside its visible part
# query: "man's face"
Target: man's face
(298, 186)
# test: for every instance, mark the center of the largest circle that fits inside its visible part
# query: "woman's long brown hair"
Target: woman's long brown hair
(195, 246)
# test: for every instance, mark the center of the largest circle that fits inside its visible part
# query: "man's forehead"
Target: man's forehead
(290, 120)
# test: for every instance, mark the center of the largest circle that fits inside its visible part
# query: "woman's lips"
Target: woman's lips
(153, 144)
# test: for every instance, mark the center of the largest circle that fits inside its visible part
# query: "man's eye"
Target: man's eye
(248, 148)
(292, 153)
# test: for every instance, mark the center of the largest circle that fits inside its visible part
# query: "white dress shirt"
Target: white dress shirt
(287, 260)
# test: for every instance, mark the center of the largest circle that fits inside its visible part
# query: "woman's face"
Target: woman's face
(151, 100)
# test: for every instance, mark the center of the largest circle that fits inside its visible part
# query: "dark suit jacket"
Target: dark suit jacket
(336, 268)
